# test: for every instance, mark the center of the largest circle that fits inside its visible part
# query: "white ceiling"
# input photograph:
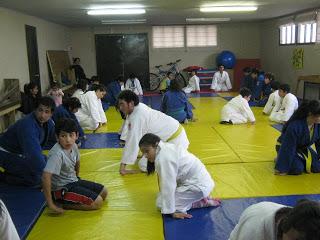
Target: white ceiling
(73, 12)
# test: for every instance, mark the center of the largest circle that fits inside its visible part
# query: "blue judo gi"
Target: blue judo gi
(113, 90)
(62, 112)
(294, 146)
(23, 162)
(176, 105)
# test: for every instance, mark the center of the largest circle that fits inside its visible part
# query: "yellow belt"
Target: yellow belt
(309, 160)
(175, 134)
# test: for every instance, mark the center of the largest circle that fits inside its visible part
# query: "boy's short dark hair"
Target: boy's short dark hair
(245, 92)
(120, 78)
(285, 87)
(95, 79)
(129, 96)
(75, 59)
(99, 87)
(275, 85)
(176, 85)
(168, 73)
(72, 103)
(305, 219)
(132, 76)
(47, 102)
(246, 70)
(269, 75)
(66, 125)
(255, 71)
(221, 65)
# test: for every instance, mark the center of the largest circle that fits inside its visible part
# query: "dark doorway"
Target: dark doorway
(32, 51)
(121, 55)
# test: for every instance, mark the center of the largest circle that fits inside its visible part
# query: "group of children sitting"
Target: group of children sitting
(184, 181)
(276, 99)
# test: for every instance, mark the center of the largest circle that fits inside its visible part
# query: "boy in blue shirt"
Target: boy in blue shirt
(60, 180)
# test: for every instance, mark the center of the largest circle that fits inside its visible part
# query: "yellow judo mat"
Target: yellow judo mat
(239, 158)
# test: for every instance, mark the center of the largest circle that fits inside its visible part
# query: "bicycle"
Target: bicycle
(156, 78)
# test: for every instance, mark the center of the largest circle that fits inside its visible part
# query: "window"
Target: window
(201, 35)
(288, 34)
(168, 36)
(307, 32)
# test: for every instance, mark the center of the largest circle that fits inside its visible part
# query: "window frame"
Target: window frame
(294, 25)
(298, 31)
(172, 47)
(201, 25)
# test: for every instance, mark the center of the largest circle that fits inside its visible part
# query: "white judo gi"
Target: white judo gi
(78, 93)
(257, 222)
(193, 85)
(91, 112)
(238, 111)
(134, 86)
(144, 120)
(288, 106)
(183, 179)
(273, 104)
(7, 228)
(221, 82)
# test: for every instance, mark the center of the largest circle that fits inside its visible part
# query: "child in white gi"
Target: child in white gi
(237, 110)
(184, 181)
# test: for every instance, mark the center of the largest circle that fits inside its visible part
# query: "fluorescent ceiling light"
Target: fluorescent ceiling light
(228, 9)
(119, 22)
(116, 11)
(208, 19)
(121, 6)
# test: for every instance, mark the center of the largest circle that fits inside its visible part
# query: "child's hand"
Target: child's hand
(56, 210)
(181, 215)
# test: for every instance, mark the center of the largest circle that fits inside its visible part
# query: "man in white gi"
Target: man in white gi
(141, 119)
(184, 181)
(274, 100)
(289, 104)
(91, 115)
(194, 83)
(237, 110)
(272, 221)
(221, 80)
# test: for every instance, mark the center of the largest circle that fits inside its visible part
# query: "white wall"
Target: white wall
(241, 38)
(278, 59)
(13, 57)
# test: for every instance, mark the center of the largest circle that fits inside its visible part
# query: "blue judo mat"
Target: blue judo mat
(204, 94)
(277, 126)
(101, 140)
(24, 205)
(217, 223)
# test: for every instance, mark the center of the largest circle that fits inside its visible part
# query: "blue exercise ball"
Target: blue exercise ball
(226, 58)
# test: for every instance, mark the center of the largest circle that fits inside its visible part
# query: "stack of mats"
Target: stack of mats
(205, 76)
